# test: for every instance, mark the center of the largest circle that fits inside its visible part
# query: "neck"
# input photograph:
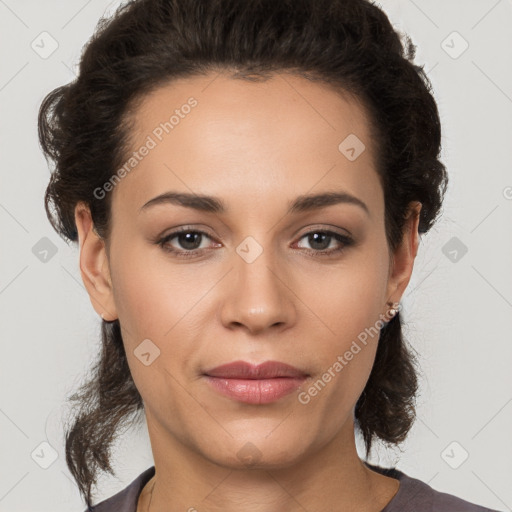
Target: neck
(186, 481)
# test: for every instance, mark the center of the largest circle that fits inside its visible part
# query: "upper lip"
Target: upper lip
(245, 370)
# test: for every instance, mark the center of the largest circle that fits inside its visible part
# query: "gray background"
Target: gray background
(457, 307)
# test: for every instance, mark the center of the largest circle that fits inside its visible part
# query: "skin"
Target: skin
(256, 146)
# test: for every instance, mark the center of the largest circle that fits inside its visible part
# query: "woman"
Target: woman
(247, 182)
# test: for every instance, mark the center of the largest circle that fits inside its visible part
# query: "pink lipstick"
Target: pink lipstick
(255, 384)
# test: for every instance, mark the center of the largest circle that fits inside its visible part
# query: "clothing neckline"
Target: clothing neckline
(412, 494)
(148, 474)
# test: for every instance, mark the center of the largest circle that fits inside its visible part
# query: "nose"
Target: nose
(257, 296)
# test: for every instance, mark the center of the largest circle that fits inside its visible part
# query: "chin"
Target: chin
(258, 452)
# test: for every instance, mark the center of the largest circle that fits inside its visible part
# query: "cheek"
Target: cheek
(349, 299)
(344, 358)
(347, 356)
(151, 295)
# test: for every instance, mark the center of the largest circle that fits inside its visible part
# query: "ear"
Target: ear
(402, 260)
(94, 264)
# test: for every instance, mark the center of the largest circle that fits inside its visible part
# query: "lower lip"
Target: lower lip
(255, 391)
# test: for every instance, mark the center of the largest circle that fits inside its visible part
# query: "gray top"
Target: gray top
(413, 496)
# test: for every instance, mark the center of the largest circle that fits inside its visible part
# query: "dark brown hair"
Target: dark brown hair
(84, 129)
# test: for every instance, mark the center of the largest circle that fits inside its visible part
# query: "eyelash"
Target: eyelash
(345, 240)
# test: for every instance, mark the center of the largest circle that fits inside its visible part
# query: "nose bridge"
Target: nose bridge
(256, 295)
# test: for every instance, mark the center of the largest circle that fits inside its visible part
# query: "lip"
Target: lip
(255, 384)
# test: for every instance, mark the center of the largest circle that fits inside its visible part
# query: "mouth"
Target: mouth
(255, 384)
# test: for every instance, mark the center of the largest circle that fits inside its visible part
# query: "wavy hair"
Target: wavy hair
(84, 130)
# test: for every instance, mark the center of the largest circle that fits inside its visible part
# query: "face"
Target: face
(259, 273)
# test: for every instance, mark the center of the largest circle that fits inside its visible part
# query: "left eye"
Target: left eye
(320, 241)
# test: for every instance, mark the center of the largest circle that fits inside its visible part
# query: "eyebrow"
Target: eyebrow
(212, 204)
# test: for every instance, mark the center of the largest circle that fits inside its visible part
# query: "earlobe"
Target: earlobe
(94, 266)
(405, 254)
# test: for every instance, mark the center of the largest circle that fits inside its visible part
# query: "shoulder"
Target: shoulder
(125, 500)
(416, 495)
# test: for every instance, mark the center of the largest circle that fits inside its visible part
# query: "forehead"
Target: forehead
(275, 139)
